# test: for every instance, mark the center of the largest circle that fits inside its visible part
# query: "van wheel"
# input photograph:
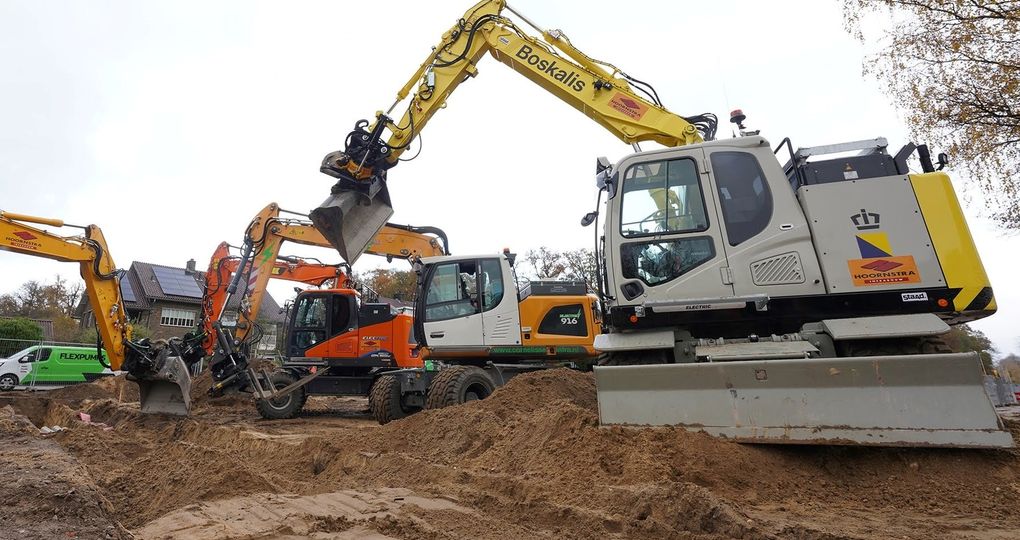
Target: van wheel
(459, 384)
(284, 407)
(8, 382)
(385, 400)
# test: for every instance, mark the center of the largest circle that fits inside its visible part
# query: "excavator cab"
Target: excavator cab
(336, 326)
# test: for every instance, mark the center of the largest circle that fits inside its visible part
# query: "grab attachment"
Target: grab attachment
(359, 203)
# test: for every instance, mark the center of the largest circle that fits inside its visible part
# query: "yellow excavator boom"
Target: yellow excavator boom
(359, 204)
(159, 369)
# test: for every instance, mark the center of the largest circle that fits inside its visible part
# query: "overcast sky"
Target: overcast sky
(170, 124)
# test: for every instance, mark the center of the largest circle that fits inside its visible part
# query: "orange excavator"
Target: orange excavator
(223, 264)
(365, 339)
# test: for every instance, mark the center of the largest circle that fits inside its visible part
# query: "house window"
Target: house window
(177, 317)
(268, 341)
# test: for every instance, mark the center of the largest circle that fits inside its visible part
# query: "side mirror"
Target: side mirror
(606, 180)
(589, 218)
(943, 160)
(602, 163)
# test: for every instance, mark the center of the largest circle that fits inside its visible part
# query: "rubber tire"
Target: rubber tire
(385, 401)
(282, 408)
(8, 382)
(458, 384)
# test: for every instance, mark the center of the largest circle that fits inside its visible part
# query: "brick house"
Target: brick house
(168, 301)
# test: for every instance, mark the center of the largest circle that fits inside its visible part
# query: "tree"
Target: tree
(55, 302)
(396, 284)
(582, 266)
(20, 328)
(953, 67)
(547, 263)
(1010, 365)
(962, 338)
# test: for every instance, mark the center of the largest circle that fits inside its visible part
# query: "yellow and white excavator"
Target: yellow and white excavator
(793, 300)
(158, 367)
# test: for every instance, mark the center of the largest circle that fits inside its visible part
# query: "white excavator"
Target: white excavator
(764, 294)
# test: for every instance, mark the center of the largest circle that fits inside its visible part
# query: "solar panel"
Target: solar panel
(126, 291)
(177, 282)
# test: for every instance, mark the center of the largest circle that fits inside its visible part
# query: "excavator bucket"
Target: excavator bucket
(914, 400)
(350, 219)
(167, 391)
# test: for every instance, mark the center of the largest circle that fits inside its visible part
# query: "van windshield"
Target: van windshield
(20, 354)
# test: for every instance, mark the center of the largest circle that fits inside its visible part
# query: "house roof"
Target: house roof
(151, 288)
(142, 279)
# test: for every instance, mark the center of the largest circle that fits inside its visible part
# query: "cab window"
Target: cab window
(492, 284)
(657, 262)
(743, 195)
(662, 197)
(310, 321)
(340, 319)
(452, 291)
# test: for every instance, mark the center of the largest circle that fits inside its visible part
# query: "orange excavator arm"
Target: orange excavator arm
(223, 265)
(260, 261)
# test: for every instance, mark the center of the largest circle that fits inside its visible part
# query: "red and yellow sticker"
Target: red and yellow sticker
(628, 106)
(884, 271)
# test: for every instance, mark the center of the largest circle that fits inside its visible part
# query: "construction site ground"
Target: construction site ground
(529, 462)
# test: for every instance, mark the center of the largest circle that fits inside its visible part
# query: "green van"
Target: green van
(51, 365)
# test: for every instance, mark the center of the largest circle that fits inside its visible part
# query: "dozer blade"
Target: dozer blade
(915, 400)
(167, 391)
(350, 220)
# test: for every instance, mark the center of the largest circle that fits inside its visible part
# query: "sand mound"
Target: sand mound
(531, 461)
(116, 387)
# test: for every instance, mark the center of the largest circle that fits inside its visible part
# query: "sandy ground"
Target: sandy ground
(529, 462)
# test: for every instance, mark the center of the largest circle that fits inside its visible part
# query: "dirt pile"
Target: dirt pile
(45, 491)
(117, 387)
(200, 397)
(537, 441)
(529, 462)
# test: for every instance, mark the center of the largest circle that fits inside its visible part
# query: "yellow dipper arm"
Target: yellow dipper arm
(102, 283)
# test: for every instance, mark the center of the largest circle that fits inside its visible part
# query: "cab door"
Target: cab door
(343, 326)
(765, 233)
(324, 325)
(450, 310)
(501, 317)
(665, 231)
